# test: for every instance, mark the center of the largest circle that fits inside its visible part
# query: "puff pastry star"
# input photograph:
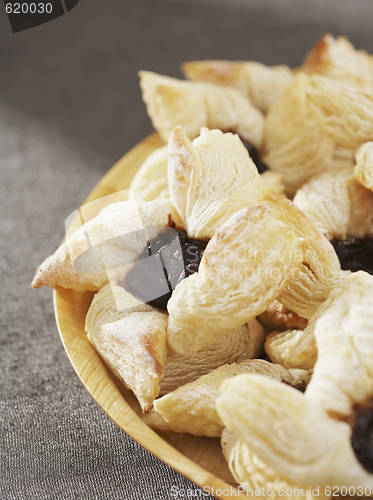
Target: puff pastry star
(315, 438)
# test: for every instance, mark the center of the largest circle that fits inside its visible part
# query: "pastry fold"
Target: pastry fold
(244, 342)
(267, 251)
(316, 438)
(191, 408)
(297, 348)
(343, 374)
(210, 179)
(311, 117)
(171, 102)
(246, 265)
(253, 474)
(290, 433)
(261, 84)
(110, 241)
(320, 271)
(364, 165)
(278, 316)
(337, 203)
(337, 58)
(130, 335)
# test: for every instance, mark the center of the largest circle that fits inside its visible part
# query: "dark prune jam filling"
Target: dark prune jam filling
(362, 436)
(355, 254)
(254, 155)
(164, 263)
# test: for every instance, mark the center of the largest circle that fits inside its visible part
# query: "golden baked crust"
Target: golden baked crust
(343, 374)
(130, 336)
(253, 254)
(290, 433)
(336, 203)
(150, 181)
(364, 165)
(191, 408)
(261, 84)
(252, 473)
(293, 348)
(316, 427)
(171, 102)
(342, 112)
(297, 348)
(320, 271)
(277, 315)
(311, 117)
(117, 240)
(246, 265)
(339, 60)
(294, 145)
(244, 342)
(210, 179)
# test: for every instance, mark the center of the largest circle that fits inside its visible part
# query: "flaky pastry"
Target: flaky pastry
(311, 117)
(150, 181)
(297, 348)
(259, 83)
(290, 433)
(277, 315)
(253, 255)
(271, 183)
(320, 271)
(244, 342)
(246, 265)
(210, 179)
(364, 165)
(343, 374)
(191, 408)
(111, 240)
(130, 336)
(171, 102)
(252, 473)
(293, 348)
(336, 203)
(339, 60)
(322, 437)
(294, 145)
(342, 112)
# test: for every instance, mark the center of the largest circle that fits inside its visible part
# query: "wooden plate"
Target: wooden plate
(199, 458)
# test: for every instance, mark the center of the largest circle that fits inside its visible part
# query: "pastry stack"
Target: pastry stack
(221, 300)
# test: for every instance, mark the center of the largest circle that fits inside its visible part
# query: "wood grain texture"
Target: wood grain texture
(199, 458)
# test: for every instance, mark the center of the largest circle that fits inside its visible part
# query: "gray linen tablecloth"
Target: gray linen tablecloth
(70, 107)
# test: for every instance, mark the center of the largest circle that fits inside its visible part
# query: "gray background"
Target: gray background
(70, 107)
